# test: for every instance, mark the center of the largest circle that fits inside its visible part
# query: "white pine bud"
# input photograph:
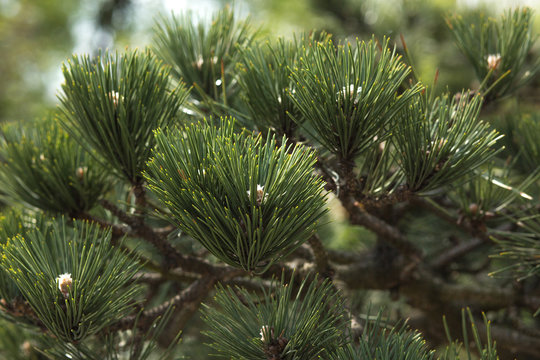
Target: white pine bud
(115, 97)
(493, 61)
(64, 283)
(261, 195)
(265, 333)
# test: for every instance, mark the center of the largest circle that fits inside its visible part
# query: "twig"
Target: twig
(359, 216)
(194, 293)
(475, 229)
(456, 252)
(139, 228)
(401, 194)
(321, 257)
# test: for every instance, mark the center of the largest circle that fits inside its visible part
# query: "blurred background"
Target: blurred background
(36, 36)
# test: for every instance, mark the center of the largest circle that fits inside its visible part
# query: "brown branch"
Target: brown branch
(359, 216)
(321, 256)
(140, 229)
(476, 229)
(449, 255)
(427, 291)
(191, 296)
(344, 257)
(401, 194)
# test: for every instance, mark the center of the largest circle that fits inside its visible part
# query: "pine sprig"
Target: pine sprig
(497, 49)
(377, 342)
(13, 223)
(349, 93)
(440, 142)
(129, 345)
(521, 248)
(525, 137)
(204, 56)
(286, 323)
(490, 192)
(265, 78)
(44, 168)
(112, 103)
(246, 200)
(455, 350)
(96, 287)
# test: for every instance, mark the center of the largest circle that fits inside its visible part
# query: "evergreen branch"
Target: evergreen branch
(359, 216)
(190, 297)
(288, 323)
(476, 229)
(320, 256)
(139, 229)
(401, 194)
(246, 200)
(450, 255)
(44, 168)
(74, 279)
(112, 103)
(441, 141)
(348, 94)
(205, 56)
(497, 48)
(174, 258)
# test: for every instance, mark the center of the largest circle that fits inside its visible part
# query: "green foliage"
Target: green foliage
(491, 192)
(524, 134)
(246, 200)
(44, 168)
(117, 346)
(13, 223)
(522, 248)
(204, 56)
(112, 104)
(497, 49)
(100, 290)
(286, 322)
(484, 352)
(440, 141)
(378, 342)
(265, 78)
(350, 93)
(252, 199)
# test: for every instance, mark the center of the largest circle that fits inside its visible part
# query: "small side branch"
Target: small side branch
(321, 256)
(193, 294)
(359, 216)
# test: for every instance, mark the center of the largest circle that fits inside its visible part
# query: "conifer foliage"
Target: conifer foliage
(204, 171)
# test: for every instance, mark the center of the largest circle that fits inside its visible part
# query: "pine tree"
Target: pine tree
(196, 180)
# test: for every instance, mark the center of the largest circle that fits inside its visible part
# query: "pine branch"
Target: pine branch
(189, 297)
(359, 216)
(320, 256)
(450, 255)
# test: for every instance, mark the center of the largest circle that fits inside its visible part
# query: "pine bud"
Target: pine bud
(64, 283)
(115, 97)
(351, 93)
(261, 195)
(80, 172)
(265, 333)
(473, 209)
(493, 61)
(26, 348)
